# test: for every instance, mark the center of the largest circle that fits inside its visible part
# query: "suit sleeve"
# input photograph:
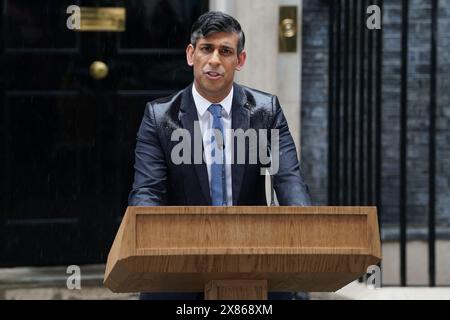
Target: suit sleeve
(289, 184)
(150, 168)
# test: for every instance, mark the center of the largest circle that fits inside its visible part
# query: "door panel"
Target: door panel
(67, 147)
(34, 25)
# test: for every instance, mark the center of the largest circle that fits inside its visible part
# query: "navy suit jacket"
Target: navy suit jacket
(158, 181)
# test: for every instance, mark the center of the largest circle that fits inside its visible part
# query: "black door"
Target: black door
(67, 139)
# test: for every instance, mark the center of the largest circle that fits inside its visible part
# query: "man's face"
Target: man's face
(215, 60)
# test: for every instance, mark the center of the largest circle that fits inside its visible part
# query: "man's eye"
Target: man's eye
(226, 52)
(206, 49)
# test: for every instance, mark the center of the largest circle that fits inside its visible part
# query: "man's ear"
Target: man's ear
(242, 57)
(190, 55)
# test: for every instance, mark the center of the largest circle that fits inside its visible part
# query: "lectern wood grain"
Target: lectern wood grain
(176, 249)
(236, 289)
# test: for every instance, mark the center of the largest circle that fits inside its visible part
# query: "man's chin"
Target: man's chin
(208, 89)
(214, 89)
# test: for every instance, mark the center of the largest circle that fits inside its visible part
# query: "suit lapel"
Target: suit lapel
(189, 119)
(240, 119)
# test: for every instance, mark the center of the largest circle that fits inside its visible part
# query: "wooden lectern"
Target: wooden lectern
(242, 252)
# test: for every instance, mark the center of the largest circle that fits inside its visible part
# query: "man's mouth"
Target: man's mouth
(213, 75)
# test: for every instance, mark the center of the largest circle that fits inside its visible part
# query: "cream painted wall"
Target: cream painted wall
(266, 68)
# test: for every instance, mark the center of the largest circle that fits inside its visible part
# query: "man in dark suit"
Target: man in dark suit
(206, 114)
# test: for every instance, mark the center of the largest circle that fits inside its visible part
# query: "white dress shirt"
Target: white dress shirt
(206, 119)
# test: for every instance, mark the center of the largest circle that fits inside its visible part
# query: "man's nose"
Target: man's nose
(215, 58)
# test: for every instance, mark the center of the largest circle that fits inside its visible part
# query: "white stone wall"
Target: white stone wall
(266, 68)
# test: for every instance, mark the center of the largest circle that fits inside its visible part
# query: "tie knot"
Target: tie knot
(216, 110)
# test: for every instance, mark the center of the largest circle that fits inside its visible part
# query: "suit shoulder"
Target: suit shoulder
(259, 100)
(260, 95)
(161, 107)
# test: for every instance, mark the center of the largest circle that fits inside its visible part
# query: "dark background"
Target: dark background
(67, 140)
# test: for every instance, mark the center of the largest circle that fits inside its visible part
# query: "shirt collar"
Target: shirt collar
(203, 104)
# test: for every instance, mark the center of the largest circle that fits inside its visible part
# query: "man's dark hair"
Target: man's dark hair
(216, 21)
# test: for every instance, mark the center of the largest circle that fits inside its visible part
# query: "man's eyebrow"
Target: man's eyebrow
(225, 45)
(228, 45)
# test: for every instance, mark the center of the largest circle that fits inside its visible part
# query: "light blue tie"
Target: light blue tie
(218, 185)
